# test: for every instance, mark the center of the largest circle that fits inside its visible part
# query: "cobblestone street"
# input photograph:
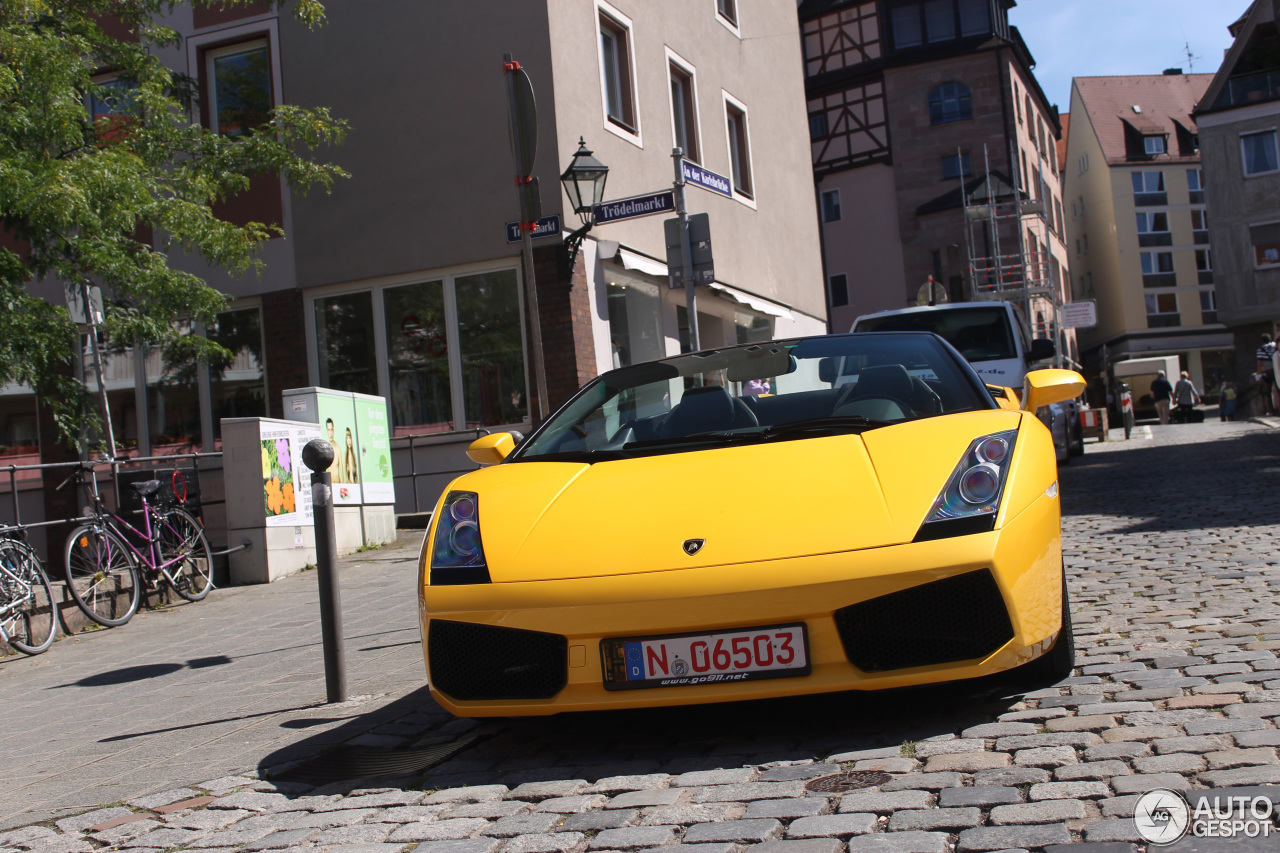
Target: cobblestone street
(1174, 573)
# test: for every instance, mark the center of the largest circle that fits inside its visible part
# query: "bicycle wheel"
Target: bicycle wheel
(27, 613)
(102, 575)
(182, 539)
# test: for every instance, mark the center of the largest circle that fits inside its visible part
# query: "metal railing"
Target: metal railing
(116, 467)
(413, 474)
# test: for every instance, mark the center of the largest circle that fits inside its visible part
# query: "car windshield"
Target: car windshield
(980, 334)
(783, 390)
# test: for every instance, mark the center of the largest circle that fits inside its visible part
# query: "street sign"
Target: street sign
(522, 122)
(699, 250)
(640, 205)
(1080, 315)
(707, 179)
(548, 226)
(75, 304)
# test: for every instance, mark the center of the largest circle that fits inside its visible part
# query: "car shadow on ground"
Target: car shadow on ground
(442, 751)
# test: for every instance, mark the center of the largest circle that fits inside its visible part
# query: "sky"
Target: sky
(1093, 38)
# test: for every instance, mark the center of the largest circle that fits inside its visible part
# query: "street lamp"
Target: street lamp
(584, 183)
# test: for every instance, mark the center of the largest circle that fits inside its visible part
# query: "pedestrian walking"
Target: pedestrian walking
(1161, 393)
(1227, 402)
(1186, 396)
(1266, 373)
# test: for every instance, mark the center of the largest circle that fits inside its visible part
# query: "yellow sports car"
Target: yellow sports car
(844, 512)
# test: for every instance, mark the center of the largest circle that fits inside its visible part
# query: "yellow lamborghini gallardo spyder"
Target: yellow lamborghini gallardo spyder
(844, 512)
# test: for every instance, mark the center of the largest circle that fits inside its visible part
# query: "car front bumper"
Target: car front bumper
(1024, 557)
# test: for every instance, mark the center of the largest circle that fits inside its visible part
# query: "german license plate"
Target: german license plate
(747, 654)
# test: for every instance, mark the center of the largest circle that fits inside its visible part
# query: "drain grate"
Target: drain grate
(850, 780)
(345, 762)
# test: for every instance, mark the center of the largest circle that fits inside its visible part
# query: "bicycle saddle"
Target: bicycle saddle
(149, 487)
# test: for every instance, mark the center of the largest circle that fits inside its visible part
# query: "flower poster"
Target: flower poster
(286, 482)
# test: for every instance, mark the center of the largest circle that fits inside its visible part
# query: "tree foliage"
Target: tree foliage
(76, 193)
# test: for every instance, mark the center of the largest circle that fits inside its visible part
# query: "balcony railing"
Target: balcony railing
(1205, 276)
(1157, 321)
(1150, 199)
(1160, 279)
(1155, 238)
(1200, 237)
(1252, 89)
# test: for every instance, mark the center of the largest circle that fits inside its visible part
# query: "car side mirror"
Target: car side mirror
(1042, 387)
(491, 449)
(1041, 348)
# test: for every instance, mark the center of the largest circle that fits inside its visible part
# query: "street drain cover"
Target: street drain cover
(357, 762)
(847, 781)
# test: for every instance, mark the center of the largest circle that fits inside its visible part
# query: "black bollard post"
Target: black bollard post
(318, 456)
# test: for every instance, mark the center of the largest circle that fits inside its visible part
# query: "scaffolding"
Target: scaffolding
(1002, 266)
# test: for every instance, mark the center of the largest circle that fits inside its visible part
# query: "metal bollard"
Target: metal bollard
(318, 456)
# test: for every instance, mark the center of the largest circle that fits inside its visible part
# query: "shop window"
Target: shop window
(1259, 154)
(615, 59)
(418, 356)
(491, 345)
(344, 343)
(238, 387)
(751, 328)
(635, 320)
(950, 102)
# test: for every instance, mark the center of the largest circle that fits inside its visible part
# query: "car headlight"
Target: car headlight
(968, 503)
(457, 553)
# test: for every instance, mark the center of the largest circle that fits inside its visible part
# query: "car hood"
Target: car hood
(558, 520)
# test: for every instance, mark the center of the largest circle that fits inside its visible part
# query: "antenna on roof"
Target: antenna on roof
(1191, 58)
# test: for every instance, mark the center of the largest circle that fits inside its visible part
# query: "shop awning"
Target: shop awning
(756, 303)
(634, 261)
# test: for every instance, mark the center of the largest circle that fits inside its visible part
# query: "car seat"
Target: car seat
(709, 408)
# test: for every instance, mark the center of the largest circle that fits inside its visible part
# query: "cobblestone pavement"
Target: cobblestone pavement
(1175, 582)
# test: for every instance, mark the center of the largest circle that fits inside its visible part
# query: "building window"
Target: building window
(728, 9)
(615, 62)
(817, 125)
(238, 387)
(739, 148)
(1148, 182)
(918, 21)
(1199, 226)
(1157, 269)
(950, 102)
(1022, 175)
(1266, 244)
(1193, 180)
(1204, 266)
(453, 349)
(1162, 309)
(684, 114)
(1153, 145)
(1259, 153)
(1017, 102)
(1082, 164)
(1153, 229)
(839, 288)
(1208, 306)
(831, 206)
(956, 165)
(1074, 212)
(240, 88)
(1085, 237)
(110, 96)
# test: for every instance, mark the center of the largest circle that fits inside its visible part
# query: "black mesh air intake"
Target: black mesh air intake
(954, 619)
(471, 661)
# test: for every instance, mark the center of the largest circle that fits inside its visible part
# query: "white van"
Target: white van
(996, 341)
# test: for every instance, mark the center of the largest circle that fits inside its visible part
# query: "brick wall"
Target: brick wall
(285, 342)
(565, 311)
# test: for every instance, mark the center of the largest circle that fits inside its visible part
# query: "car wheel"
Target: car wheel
(1058, 662)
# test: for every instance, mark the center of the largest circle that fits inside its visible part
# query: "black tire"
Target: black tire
(182, 538)
(32, 623)
(102, 575)
(1057, 663)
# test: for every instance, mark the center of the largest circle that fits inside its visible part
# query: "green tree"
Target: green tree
(88, 164)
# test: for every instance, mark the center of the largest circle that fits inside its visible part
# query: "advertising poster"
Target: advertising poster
(286, 482)
(374, 441)
(337, 416)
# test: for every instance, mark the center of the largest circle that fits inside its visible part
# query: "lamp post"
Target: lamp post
(584, 184)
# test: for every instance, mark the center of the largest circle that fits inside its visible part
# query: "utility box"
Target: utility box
(268, 497)
(357, 427)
